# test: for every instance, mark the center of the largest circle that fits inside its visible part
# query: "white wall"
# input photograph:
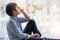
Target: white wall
(48, 17)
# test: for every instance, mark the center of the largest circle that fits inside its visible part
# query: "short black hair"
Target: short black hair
(10, 7)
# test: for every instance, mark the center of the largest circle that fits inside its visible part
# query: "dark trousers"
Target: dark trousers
(31, 27)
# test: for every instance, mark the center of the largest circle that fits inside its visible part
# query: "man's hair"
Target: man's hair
(10, 7)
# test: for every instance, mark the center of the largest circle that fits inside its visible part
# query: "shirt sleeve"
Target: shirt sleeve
(21, 20)
(13, 28)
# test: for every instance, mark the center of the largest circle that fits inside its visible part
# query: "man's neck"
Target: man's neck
(15, 16)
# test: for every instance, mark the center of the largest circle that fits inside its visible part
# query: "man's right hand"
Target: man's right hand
(35, 35)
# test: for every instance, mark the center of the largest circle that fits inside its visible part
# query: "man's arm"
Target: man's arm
(27, 18)
(24, 13)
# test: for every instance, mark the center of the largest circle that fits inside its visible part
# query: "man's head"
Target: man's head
(11, 9)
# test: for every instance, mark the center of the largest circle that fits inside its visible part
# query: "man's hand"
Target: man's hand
(21, 10)
(24, 13)
(35, 35)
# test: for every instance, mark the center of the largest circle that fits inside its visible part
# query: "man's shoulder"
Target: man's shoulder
(10, 22)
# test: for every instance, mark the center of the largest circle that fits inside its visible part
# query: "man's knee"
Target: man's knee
(31, 20)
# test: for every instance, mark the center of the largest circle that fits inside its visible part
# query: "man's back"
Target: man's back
(11, 35)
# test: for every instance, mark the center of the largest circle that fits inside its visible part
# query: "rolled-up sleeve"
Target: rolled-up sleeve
(13, 28)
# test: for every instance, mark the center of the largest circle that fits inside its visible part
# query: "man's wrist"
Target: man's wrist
(22, 10)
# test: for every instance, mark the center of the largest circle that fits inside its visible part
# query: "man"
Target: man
(14, 28)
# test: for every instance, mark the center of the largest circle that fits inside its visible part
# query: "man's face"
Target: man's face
(16, 11)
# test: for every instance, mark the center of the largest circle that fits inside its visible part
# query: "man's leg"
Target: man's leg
(31, 27)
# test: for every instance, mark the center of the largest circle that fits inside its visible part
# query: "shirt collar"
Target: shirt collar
(14, 18)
